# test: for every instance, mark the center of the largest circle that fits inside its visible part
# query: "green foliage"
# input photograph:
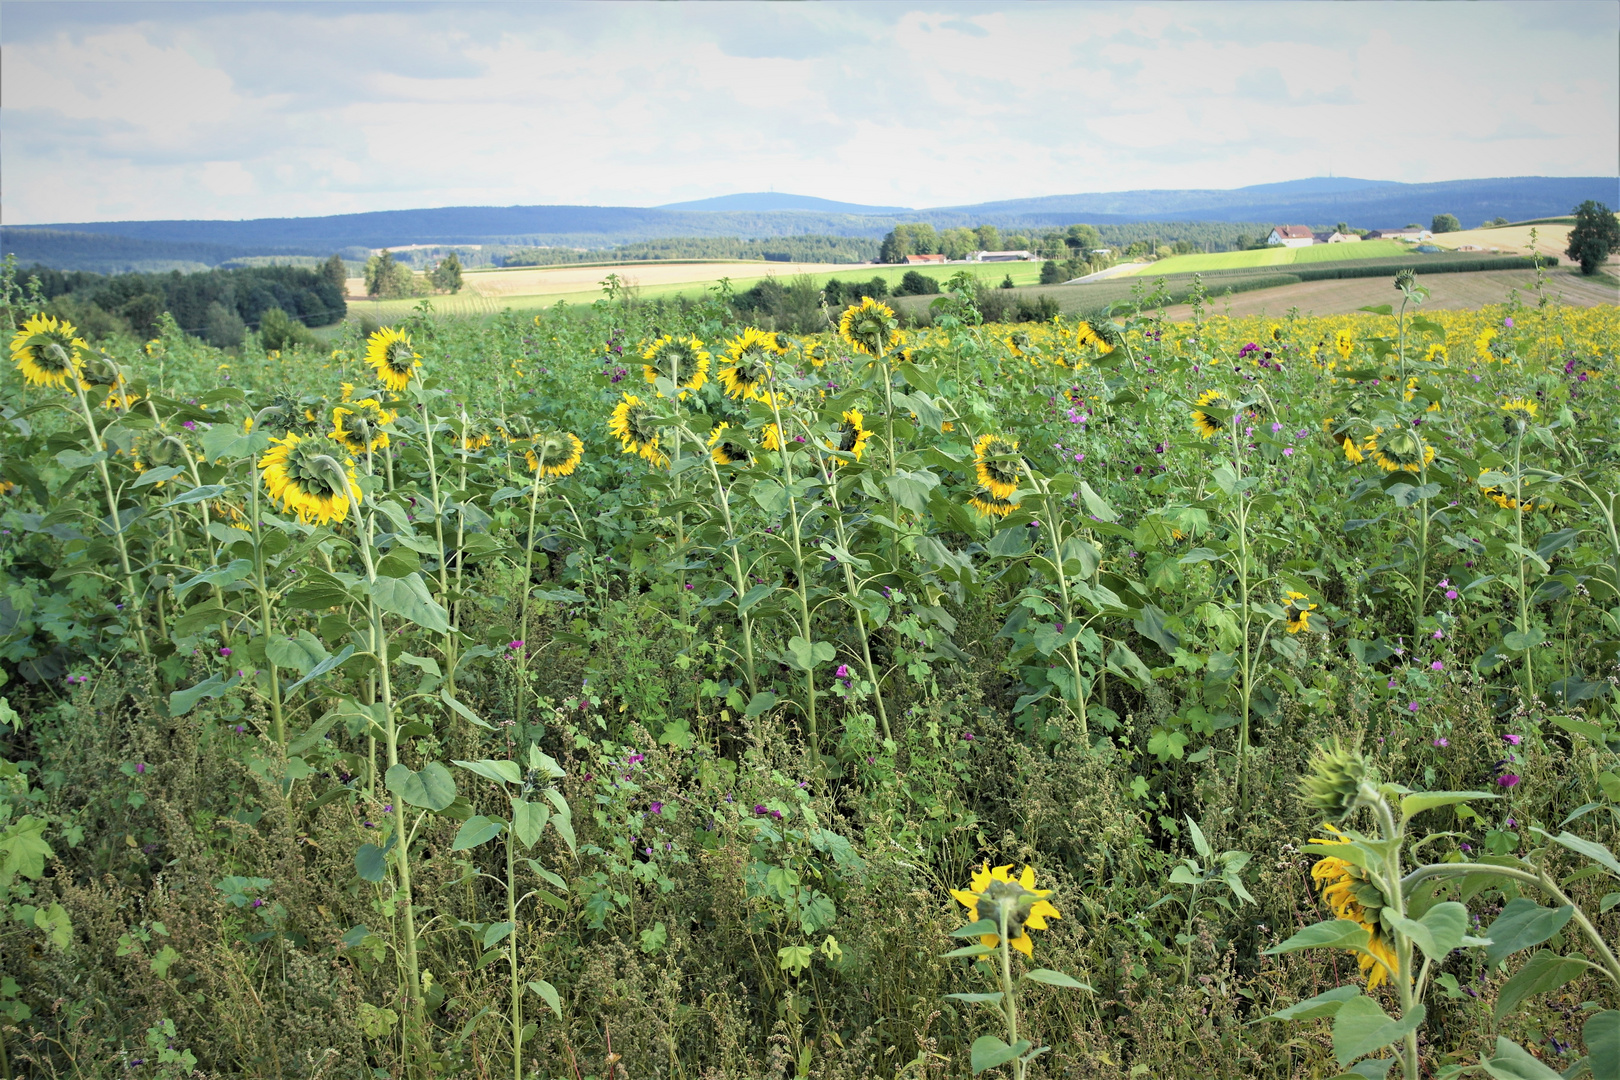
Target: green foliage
(1444, 223)
(1595, 236)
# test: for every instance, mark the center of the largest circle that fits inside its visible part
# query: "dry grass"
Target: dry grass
(1511, 239)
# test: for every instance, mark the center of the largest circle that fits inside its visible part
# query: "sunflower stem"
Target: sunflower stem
(1524, 600)
(1009, 998)
(131, 590)
(528, 585)
(801, 588)
(449, 645)
(1050, 513)
(278, 723)
(853, 590)
(738, 575)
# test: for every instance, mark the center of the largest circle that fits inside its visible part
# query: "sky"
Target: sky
(129, 111)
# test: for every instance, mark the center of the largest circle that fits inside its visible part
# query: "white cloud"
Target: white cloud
(248, 110)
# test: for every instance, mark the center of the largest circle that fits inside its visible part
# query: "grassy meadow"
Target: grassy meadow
(622, 690)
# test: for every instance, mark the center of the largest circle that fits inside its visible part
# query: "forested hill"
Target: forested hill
(107, 246)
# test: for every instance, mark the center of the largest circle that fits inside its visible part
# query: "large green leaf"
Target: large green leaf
(476, 830)
(1321, 1005)
(1335, 934)
(301, 653)
(1602, 1035)
(502, 772)
(807, 655)
(433, 788)
(1362, 1027)
(1592, 850)
(183, 701)
(370, 862)
(528, 820)
(1055, 978)
(1543, 972)
(988, 1052)
(1441, 929)
(548, 994)
(1417, 802)
(1512, 1062)
(408, 597)
(1522, 924)
(323, 667)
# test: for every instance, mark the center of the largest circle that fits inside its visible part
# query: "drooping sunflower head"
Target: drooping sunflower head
(1352, 895)
(1275, 332)
(515, 429)
(359, 425)
(681, 360)
(995, 896)
(771, 437)
(869, 327)
(1401, 450)
(1435, 354)
(1019, 343)
(1405, 278)
(1504, 498)
(991, 505)
(631, 423)
(100, 375)
(1518, 415)
(1298, 612)
(818, 354)
(995, 462)
(1339, 780)
(1352, 452)
(282, 415)
(311, 476)
(555, 454)
(390, 355)
(476, 434)
(48, 351)
(729, 445)
(1205, 424)
(850, 436)
(154, 450)
(747, 369)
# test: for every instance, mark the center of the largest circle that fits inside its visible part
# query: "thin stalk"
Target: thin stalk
(1049, 512)
(1009, 1000)
(1403, 954)
(528, 585)
(512, 958)
(1524, 599)
(278, 723)
(802, 591)
(1242, 522)
(449, 645)
(131, 590)
(739, 576)
(853, 590)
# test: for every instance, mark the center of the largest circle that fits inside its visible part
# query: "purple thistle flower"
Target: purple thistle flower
(1508, 779)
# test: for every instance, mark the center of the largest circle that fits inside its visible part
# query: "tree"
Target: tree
(387, 277)
(877, 288)
(914, 284)
(334, 271)
(1050, 274)
(446, 277)
(958, 243)
(1443, 223)
(1596, 234)
(896, 245)
(278, 330)
(142, 312)
(1007, 282)
(225, 329)
(1495, 221)
(1082, 240)
(1343, 228)
(989, 237)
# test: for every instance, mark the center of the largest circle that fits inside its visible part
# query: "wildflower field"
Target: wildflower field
(627, 691)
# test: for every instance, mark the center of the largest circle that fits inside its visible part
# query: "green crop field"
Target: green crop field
(1274, 256)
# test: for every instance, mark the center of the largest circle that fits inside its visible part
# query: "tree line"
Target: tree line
(1076, 247)
(220, 306)
(808, 248)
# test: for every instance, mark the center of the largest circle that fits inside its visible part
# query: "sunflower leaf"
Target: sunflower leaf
(989, 1051)
(1055, 978)
(1335, 934)
(1362, 1027)
(969, 950)
(978, 999)
(408, 597)
(975, 929)
(1321, 1005)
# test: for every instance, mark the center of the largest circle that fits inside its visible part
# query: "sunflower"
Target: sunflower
(1352, 453)
(1482, 344)
(1398, 451)
(869, 327)
(851, 434)
(515, 429)
(298, 473)
(475, 435)
(818, 354)
(728, 449)
(989, 505)
(1344, 341)
(1206, 425)
(1298, 612)
(1348, 891)
(563, 453)
(748, 364)
(1274, 331)
(1520, 413)
(771, 435)
(359, 425)
(390, 355)
(1411, 392)
(993, 895)
(631, 424)
(1435, 354)
(100, 376)
(1000, 478)
(1503, 499)
(681, 360)
(47, 351)
(231, 515)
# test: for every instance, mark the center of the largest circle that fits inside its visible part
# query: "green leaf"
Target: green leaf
(370, 863)
(806, 655)
(548, 994)
(300, 653)
(1321, 1005)
(1602, 1035)
(476, 830)
(1096, 505)
(322, 668)
(1439, 931)
(1545, 971)
(408, 597)
(989, 1051)
(528, 821)
(235, 570)
(1337, 934)
(978, 999)
(1200, 844)
(563, 821)
(759, 703)
(502, 772)
(1513, 1062)
(1055, 978)
(1362, 1027)
(1151, 625)
(975, 929)
(654, 938)
(1522, 924)
(1594, 851)
(969, 950)
(1520, 640)
(196, 494)
(183, 701)
(497, 933)
(24, 848)
(316, 732)
(1368, 1069)
(1414, 804)
(158, 475)
(754, 596)
(433, 788)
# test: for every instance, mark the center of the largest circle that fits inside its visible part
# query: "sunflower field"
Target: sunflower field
(632, 692)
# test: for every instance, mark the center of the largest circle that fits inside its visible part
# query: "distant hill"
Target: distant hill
(776, 200)
(1318, 202)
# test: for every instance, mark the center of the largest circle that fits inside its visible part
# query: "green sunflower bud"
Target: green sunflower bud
(1405, 279)
(1337, 777)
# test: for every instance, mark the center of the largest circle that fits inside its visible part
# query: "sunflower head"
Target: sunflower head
(1298, 612)
(771, 437)
(995, 462)
(728, 445)
(1401, 450)
(1503, 498)
(990, 505)
(311, 476)
(869, 327)
(476, 434)
(359, 425)
(390, 355)
(818, 354)
(555, 454)
(1344, 341)
(47, 351)
(1351, 894)
(1340, 780)
(631, 423)
(1205, 424)
(747, 368)
(994, 896)
(681, 360)
(1518, 415)
(1405, 279)
(850, 436)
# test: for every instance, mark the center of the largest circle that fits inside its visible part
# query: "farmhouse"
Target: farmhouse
(1342, 238)
(1291, 236)
(1001, 256)
(914, 259)
(1401, 234)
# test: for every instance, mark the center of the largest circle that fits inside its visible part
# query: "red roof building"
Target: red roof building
(925, 258)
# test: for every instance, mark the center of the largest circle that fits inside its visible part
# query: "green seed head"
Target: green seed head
(1337, 780)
